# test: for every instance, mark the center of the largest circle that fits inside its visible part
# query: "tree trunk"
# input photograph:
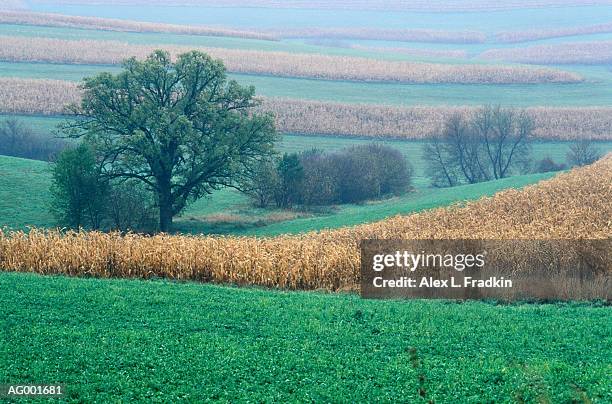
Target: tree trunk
(165, 210)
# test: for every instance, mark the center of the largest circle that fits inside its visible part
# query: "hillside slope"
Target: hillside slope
(573, 205)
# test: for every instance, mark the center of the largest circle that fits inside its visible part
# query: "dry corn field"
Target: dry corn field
(107, 24)
(407, 35)
(50, 97)
(537, 34)
(434, 53)
(574, 205)
(283, 64)
(597, 52)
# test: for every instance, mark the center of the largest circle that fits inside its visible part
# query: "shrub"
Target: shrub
(130, 207)
(315, 178)
(547, 164)
(583, 153)
(78, 190)
(290, 173)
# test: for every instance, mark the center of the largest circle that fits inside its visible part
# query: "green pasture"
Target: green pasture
(161, 341)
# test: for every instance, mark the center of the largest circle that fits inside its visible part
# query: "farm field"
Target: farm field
(166, 341)
(592, 92)
(272, 17)
(229, 302)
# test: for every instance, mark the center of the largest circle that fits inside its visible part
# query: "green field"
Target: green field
(159, 341)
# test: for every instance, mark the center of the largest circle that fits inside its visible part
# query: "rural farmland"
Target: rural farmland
(188, 190)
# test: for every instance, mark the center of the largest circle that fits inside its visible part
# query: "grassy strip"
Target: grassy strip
(116, 340)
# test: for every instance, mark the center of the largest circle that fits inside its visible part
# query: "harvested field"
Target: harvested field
(574, 205)
(585, 53)
(50, 97)
(108, 24)
(282, 64)
(537, 34)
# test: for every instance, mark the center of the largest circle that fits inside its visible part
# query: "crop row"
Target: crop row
(574, 205)
(50, 97)
(408, 35)
(34, 49)
(596, 52)
(418, 52)
(537, 34)
(107, 24)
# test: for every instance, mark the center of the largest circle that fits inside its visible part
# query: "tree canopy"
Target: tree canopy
(180, 127)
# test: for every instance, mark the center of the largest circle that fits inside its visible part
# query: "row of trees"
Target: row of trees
(492, 143)
(315, 178)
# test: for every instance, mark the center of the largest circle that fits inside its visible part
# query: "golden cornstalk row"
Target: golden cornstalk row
(596, 52)
(537, 34)
(282, 64)
(433, 53)
(107, 24)
(408, 35)
(575, 205)
(50, 97)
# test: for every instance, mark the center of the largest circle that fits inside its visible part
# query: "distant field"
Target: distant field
(42, 19)
(587, 53)
(176, 342)
(51, 97)
(518, 17)
(283, 64)
(592, 92)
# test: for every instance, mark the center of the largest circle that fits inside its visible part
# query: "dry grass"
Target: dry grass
(596, 52)
(283, 64)
(537, 34)
(575, 205)
(50, 97)
(107, 24)
(434, 53)
(407, 35)
(393, 5)
(312, 117)
(46, 97)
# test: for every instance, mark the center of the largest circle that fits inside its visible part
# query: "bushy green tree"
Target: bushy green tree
(181, 128)
(78, 189)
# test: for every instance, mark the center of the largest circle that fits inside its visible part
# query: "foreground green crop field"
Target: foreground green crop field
(157, 341)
